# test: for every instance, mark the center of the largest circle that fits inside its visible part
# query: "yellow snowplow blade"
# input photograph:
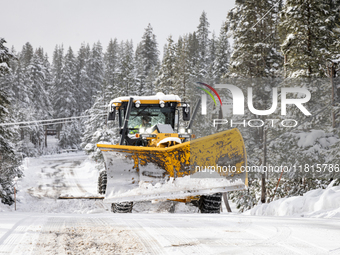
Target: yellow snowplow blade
(206, 165)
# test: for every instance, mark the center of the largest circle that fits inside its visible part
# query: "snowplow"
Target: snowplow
(158, 158)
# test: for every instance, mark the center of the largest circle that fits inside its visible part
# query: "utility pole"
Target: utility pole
(264, 163)
(332, 75)
(45, 136)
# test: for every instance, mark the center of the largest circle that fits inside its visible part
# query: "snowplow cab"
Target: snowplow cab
(148, 117)
(158, 159)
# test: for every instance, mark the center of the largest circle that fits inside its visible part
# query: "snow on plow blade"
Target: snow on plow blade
(215, 163)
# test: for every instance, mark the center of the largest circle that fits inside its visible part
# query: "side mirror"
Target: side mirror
(186, 113)
(112, 114)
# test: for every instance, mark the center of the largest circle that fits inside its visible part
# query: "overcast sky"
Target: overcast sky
(47, 23)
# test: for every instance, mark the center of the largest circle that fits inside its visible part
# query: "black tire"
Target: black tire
(123, 207)
(102, 181)
(210, 203)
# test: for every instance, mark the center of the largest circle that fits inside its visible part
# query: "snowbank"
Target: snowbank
(320, 203)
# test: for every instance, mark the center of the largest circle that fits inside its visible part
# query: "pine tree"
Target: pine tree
(9, 161)
(126, 69)
(204, 58)
(5, 57)
(147, 61)
(95, 71)
(82, 79)
(111, 71)
(256, 50)
(65, 102)
(183, 69)
(223, 53)
(212, 57)
(39, 80)
(307, 37)
(167, 72)
(38, 96)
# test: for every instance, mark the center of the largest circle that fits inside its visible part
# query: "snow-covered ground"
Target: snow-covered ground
(44, 224)
(319, 203)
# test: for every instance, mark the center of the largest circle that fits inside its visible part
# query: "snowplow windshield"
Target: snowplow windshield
(150, 115)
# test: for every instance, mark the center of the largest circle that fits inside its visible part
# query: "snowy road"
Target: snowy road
(61, 175)
(25, 233)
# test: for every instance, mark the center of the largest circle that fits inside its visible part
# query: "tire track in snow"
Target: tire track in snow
(177, 237)
(217, 231)
(278, 239)
(14, 236)
(150, 242)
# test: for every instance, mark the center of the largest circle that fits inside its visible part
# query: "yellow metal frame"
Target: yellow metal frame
(146, 102)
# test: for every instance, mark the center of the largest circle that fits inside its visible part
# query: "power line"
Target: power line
(46, 124)
(50, 120)
(261, 18)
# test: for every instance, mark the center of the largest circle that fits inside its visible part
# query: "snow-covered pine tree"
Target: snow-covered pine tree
(148, 62)
(39, 98)
(111, 89)
(307, 37)
(223, 53)
(193, 46)
(118, 79)
(212, 57)
(183, 68)
(309, 33)
(64, 101)
(9, 160)
(21, 107)
(139, 67)
(167, 72)
(95, 71)
(5, 57)
(82, 79)
(97, 130)
(256, 48)
(204, 58)
(70, 135)
(57, 66)
(126, 70)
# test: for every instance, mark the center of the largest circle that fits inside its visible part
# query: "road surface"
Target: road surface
(25, 233)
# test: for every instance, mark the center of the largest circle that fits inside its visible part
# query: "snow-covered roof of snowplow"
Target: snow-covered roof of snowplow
(156, 99)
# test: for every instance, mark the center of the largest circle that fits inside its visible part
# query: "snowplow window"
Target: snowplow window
(148, 116)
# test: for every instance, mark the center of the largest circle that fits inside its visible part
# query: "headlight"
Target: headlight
(161, 104)
(137, 104)
(189, 131)
(142, 130)
(182, 130)
(148, 130)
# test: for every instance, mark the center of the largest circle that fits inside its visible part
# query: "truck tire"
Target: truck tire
(102, 181)
(210, 203)
(123, 207)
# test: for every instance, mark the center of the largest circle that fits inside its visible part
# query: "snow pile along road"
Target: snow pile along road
(320, 203)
